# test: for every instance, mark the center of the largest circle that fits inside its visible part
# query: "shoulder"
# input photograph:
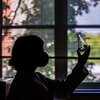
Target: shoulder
(44, 79)
(38, 74)
(40, 77)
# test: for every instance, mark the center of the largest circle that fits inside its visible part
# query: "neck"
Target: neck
(26, 71)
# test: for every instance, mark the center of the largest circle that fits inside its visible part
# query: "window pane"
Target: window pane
(93, 67)
(83, 12)
(28, 12)
(49, 70)
(9, 36)
(10, 72)
(7, 71)
(91, 36)
(72, 44)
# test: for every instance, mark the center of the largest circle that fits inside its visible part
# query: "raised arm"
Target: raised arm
(78, 74)
(66, 87)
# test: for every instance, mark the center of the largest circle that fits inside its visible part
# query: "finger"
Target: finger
(87, 52)
(78, 52)
(85, 56)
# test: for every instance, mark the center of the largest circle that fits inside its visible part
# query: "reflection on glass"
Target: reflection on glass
(28, 12)
(9, 36)
(83, 12)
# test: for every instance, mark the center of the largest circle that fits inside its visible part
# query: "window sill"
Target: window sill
(88, 89)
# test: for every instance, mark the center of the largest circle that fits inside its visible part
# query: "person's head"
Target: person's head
(28, 53)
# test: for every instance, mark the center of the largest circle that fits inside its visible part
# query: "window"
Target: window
(20, 17)
(83, 17)
(57, 22)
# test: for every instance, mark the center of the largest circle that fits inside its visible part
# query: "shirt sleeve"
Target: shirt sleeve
(74, 79)
(65, 88)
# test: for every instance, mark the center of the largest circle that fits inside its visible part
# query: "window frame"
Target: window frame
(0, 39)
(86, 88)
(60, 35)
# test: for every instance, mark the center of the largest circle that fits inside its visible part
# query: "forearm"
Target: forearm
(75, 78)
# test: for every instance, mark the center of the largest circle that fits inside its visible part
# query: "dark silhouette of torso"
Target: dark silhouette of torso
(38, 87)
(30, 87)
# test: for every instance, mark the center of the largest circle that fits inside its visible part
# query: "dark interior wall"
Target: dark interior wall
(2, 90)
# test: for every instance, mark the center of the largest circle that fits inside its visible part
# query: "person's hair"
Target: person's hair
(27, 51)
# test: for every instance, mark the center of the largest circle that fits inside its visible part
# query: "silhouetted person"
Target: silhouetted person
(27, 55)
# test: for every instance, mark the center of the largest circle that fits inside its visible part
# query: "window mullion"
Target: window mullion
(60, 38)
(1, 39)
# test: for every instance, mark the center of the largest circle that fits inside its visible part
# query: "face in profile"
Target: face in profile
(28, 51)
